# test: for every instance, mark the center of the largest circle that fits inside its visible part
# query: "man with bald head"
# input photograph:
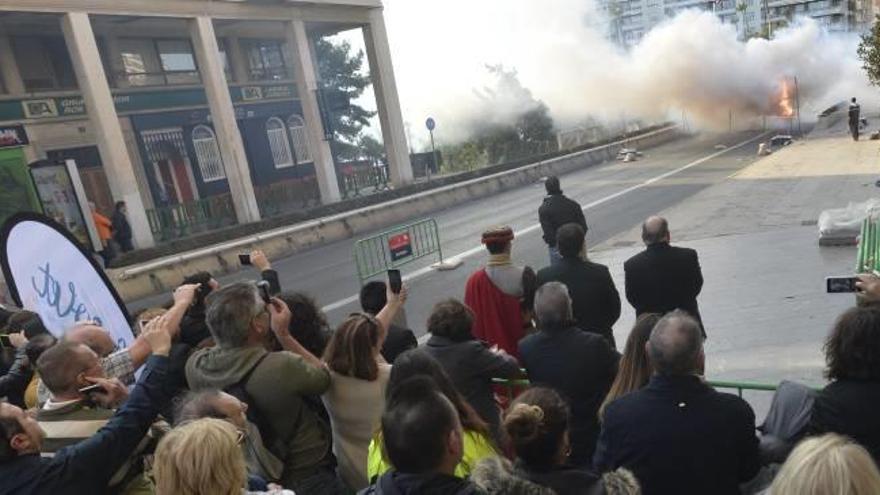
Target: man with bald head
(663, 277)
(677, 434)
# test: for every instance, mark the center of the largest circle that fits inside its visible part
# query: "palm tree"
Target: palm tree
(741, 8)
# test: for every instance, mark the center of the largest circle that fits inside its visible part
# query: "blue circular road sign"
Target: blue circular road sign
(430, 124)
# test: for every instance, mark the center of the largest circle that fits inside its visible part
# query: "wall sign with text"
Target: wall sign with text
(49, 272)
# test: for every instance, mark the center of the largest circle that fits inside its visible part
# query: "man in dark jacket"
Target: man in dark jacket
(275, 385)
(87, 466)
(595, 300)
(854, 113)
(373, 298)
(579, 365)
(422, 437)
(662, 277)
(556, 211)
(677, 434)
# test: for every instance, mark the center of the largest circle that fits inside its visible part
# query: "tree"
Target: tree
(370, 147)
(741, 8)
(869, 52)
(343, 81)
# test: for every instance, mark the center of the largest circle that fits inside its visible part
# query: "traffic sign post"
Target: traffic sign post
(430, 124)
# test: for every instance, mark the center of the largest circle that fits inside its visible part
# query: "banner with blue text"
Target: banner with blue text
(50, 273)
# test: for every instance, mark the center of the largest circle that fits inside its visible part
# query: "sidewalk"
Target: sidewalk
(764, 302)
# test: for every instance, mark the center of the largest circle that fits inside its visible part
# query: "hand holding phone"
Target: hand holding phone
(395, 281)
(836, 285)
(244, 259)
(263, 287)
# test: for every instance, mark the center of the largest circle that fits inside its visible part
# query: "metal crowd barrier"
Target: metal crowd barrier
(397, 247)
(510, 386)
(868, 257)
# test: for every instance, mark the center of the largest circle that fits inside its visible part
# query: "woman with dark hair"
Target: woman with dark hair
(478, 444)
(470, 363)
(308, 325)
(634, 370)
(358, 377)
(848, 405)
(537, 424)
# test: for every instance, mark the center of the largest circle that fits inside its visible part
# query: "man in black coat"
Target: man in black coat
(556, 211)
(579, 365)
(677, 434)
(663, 277)
(373, 297)
(595, 300)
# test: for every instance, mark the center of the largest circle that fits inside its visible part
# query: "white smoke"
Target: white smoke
(691, 63)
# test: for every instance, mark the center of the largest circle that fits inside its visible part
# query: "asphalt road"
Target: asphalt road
(617, 196)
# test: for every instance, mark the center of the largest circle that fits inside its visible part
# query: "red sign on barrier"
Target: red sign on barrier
(400, 246)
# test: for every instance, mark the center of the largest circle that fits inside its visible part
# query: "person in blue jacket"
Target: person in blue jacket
(87, 466)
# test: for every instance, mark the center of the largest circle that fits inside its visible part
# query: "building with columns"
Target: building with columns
(186, 109)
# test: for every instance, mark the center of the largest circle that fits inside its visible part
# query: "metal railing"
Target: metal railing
(191, 217)
(288, 196)
(396, 247)
(510, 386)
(358, 181)
(868, 256)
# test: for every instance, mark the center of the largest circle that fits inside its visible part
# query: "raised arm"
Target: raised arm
(139, 350)
(280, 321)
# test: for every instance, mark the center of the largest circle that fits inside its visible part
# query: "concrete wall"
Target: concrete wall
(162, 274)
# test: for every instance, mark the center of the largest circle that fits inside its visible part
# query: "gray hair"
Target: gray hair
(230, 313)
(553, 305)
(675, 344)
(654, 230)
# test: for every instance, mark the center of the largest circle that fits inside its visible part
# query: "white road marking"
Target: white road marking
(531, 228)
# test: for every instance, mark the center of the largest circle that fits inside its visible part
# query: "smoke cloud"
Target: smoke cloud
(692, 63)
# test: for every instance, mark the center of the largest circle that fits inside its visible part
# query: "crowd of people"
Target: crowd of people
(246, 388)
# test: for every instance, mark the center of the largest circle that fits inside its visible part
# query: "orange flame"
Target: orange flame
(784, 105)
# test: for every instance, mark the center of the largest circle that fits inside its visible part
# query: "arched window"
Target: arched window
(208, 153)
(300, 141)
(278, 143)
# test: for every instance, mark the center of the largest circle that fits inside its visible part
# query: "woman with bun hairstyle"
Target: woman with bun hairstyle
(537, 424)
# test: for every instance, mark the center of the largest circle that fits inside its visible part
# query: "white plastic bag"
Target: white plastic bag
(847, 222)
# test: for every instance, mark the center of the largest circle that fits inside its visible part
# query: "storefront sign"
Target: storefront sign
(13, 136)
(59, 281)
(140, 101)
(400, 246)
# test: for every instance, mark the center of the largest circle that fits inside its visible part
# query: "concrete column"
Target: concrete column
(9, 68)
(305, 73)
(223, 114)
(238, 62)
(80, 40)
(387, 102)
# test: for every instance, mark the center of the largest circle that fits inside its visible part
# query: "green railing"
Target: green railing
(511, 385)
(397, 247)
(287, 196)
(357, 181)
(192, 217)
(868, 257)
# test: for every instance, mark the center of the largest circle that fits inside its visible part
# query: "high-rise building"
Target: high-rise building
(629, 20)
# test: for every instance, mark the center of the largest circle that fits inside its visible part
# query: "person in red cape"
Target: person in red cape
(498, 295)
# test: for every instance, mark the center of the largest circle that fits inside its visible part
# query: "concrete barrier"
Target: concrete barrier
(162, 274)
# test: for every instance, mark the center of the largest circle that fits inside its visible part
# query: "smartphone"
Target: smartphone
(840, 284)
(395, 283)
(263, 287)
(91, 388)
(142, 324)
(5, 341)
(244, 259)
